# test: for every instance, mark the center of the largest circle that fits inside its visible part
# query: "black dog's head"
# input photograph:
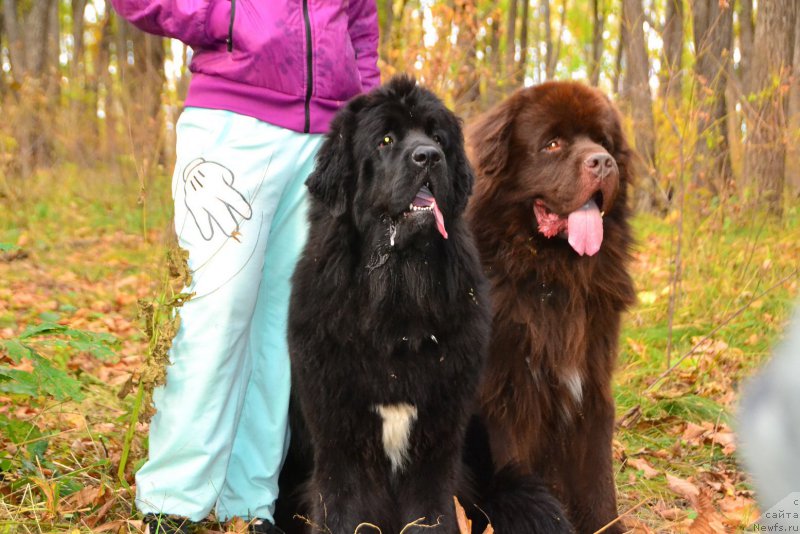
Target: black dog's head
(394, 160)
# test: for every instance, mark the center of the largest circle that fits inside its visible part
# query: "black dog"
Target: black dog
(389, 321)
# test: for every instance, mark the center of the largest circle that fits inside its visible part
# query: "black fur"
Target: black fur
(385, 311)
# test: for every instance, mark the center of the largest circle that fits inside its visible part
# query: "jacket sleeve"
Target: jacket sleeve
(363, 27)
(198, 23)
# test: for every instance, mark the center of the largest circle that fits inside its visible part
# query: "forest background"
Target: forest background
(710, 91)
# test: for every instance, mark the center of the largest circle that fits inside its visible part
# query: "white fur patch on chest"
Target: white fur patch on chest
(574, 384)
(397, 422)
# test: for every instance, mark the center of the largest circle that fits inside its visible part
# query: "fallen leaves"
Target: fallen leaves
(710, 433)
(91, 287)
(82, 500)
(714, 514)
(642, 465)
(712, 499)
(684, 488)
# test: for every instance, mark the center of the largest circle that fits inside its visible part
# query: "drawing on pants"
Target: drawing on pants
(211, 198)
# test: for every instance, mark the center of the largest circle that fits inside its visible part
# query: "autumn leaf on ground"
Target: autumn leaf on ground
(739, 510)
(707, 432)
(726, 438)
(634, 525)
(708, 520)
(120, 525)
(84, 498)
(673, 513)
(641, 464)
(693, 435)
(684, 488)
(101, 513)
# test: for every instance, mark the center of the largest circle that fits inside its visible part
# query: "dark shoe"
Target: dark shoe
(263, 526)
(167, 524)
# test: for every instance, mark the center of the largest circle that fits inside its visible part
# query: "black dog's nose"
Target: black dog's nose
(425, 155)
(600, 164)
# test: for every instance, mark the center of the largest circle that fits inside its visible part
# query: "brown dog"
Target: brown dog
(550, 217)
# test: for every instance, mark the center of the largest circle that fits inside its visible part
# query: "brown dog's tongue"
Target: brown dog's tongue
(425, 198)
(585, 229)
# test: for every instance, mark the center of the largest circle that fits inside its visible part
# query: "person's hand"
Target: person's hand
(212, 199)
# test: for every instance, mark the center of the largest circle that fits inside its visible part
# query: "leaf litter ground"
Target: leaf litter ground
(675, 450)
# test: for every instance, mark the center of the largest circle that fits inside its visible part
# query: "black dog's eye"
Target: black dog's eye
(554, 145)
(386, 141)
(437, 138)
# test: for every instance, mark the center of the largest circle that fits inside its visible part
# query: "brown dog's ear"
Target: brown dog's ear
(331, 182)
(489, 136)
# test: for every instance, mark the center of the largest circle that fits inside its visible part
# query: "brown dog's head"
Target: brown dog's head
(555, 152)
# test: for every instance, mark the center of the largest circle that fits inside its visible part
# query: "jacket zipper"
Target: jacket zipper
(310, 78)
(230, 26)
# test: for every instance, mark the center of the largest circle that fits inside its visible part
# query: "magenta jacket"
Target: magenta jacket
(292, 63)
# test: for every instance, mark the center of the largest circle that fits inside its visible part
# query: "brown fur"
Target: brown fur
(556, 314)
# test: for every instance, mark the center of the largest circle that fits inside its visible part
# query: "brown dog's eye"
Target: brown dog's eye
(554, 145)
(387, 140)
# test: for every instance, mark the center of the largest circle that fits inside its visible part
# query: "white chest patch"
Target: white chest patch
(574, 384)
(397, 422)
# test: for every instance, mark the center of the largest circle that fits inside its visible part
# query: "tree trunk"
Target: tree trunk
(552, 46)
(386, 16)
(670, 86)
(467, 93)
(765, 150)
(713, 35)
(793, 155)
(28, 37)
(3, 88)
(548, 38)
(623, 38)
(80, 110)
(511, 40)
(746, 31)
(76, 70)
(492, 55)
(33, 55)
(103, 89)
(636, 91)
(598, 25)
(523, 42)
(559, 40)
(494, 35)
(53, 49)
(142, 85)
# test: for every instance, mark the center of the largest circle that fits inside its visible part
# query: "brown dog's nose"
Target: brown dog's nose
(600, 164)
(425, 155)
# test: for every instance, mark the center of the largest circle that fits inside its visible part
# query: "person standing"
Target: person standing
(267, 77)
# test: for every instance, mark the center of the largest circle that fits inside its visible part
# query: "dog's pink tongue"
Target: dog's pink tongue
(437, 213)
(585, 229)
(425, 198)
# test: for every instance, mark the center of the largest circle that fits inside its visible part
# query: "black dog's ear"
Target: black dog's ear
(488, 138)
(332, 179)
(327, 182)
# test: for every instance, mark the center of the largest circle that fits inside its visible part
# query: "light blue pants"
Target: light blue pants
(220, 434)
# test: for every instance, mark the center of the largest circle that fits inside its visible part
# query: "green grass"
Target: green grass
(93, 249)
(738, 285)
